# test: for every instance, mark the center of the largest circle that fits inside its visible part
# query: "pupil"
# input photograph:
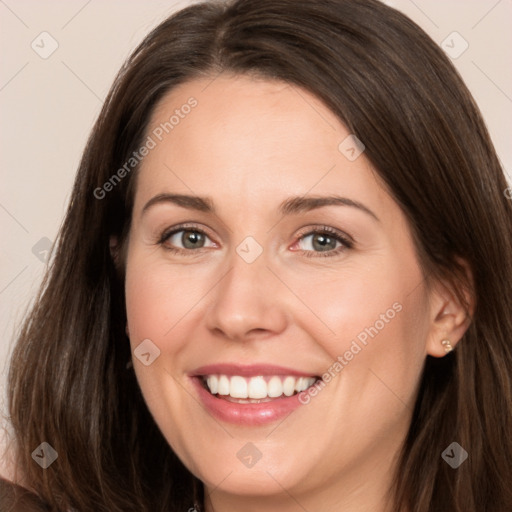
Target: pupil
(192, 239)
(323, 242)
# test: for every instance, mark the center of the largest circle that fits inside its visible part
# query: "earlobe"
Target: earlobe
(451, 317)
(447, 344)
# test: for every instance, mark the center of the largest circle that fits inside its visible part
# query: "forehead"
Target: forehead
(250, 138)
(235, 110)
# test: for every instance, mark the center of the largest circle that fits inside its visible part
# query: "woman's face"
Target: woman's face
(241, 271)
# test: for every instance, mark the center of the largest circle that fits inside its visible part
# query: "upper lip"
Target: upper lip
(251, 370)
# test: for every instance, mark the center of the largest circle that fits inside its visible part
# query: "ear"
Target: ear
(450, 313)
(114, 249)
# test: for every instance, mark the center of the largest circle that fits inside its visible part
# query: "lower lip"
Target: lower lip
(246, 414)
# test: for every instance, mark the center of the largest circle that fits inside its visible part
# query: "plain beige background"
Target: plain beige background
(49, 103)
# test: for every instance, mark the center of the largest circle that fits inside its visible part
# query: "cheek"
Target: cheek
(160, 303)
(148, 301)
(361, 300)
(159, 296)
(371, 318)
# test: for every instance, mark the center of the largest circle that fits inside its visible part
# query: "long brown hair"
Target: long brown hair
(397, 92)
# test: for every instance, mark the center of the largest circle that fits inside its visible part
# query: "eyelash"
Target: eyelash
(345, 240)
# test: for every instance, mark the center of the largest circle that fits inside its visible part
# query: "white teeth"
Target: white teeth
(213, 384)
(238, 388)
(257, 387)
(289, 386)
(223, 385)
(302, 384)
(274, 387)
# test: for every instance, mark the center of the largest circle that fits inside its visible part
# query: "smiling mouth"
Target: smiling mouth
(258, 389)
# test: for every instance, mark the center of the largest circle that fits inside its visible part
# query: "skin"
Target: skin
(249, 144)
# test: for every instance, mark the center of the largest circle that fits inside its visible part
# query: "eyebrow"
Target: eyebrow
(202, 204)
(291, 206)
(294, 205)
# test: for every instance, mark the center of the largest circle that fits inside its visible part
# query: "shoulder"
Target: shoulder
(15, 498)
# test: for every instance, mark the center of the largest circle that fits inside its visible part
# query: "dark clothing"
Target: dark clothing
(14, 498)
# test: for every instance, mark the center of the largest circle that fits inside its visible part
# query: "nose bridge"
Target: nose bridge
(246, 299)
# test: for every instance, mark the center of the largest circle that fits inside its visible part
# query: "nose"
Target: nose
(248, 302)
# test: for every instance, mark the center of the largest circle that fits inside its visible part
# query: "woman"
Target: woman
(284, 280)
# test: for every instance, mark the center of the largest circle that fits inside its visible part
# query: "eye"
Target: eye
(185, 239)
(324, 241)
